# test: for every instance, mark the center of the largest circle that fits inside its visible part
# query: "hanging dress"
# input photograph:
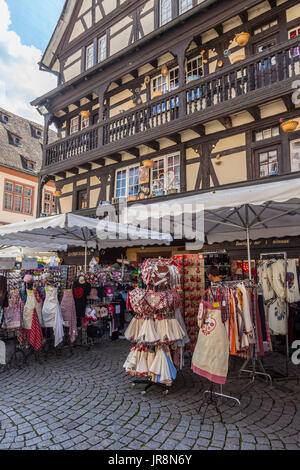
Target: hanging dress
(68, 311)
(31, 305)
(52, 316)
(13, 316)
(211, 355)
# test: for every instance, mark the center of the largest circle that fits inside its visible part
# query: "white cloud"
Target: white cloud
(20, 78)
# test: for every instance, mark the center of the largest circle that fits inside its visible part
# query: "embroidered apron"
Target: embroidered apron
(211, 355)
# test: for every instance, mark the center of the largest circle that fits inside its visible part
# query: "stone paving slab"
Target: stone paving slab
(86, 401)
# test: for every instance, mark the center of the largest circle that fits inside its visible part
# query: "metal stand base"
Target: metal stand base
(212, 399)
(254, 373)
(149, 383)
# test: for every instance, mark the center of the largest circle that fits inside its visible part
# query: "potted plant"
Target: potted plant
(288, 125)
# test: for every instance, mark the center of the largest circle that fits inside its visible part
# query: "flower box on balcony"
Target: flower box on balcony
(156, 94)
(192, 78)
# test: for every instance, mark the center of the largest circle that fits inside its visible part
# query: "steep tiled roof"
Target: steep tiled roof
(31, 146)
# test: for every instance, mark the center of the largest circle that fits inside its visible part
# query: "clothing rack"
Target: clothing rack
(255, 371)
(275, 256)
(213, 399)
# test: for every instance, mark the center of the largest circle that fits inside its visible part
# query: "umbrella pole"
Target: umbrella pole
(249, 254)
(85, 258)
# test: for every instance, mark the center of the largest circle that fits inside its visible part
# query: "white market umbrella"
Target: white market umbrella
(61, 231)
(261, 210)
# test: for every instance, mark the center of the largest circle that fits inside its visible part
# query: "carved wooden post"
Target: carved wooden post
(179, 51)
(101, 92)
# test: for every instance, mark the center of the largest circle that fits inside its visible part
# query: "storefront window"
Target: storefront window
(295, 155)
(166, 174)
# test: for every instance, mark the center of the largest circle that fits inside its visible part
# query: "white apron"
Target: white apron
(211, 355)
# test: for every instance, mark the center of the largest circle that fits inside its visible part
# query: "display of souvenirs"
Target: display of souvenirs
(193, 285)
(158, 335)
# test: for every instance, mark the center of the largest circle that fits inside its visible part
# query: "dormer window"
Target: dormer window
(38, 134)
(4, 118)
(17, 142)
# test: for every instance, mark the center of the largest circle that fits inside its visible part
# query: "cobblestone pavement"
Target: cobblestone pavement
(86, 401)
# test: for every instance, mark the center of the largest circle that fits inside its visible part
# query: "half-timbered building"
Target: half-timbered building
(175, 82)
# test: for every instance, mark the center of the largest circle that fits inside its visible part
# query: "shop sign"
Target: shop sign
(7, 263)
(29, 263)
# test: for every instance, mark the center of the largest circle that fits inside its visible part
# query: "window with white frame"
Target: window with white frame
(74, 125)
(173, 77)
(295, 155)
(89, 58)
(293, 33)
(165, 174)
(165, 11)
(267, 133)
(194, 67)
(265, 27)
(160, 84)
(185, 5)
(102, 49)
(85, 122)
(127, 182)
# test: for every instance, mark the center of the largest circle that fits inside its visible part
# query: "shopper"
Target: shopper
(3, 297)
(212, 273)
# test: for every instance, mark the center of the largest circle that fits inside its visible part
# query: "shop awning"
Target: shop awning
(59, 232)
(267, 210)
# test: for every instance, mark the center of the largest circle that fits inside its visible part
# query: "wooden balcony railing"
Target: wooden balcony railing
(273, 66)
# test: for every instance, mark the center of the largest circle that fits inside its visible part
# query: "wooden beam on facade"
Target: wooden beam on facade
(226, 122)
(62, 174)
(199, 129)
(100, 161)
(287, 99)
(73, 171)
(154, 63)
(176, 138)
(134, 151)
(154, 145)
(86, 166)
(255, 112)
(219, 29)
(244, 16)
(117, 157)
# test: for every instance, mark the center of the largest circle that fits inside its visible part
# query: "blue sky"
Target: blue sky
(34, 20)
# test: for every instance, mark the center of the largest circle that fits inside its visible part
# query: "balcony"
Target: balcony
(253, 81)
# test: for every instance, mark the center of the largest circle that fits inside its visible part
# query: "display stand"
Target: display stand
(282, 255)
(149, 384)
(212, 399)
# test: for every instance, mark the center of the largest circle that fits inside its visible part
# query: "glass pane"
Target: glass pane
(258, 136)
(273, 154)
(267, 133)
(9, 187)
(19, 189)
(264, 170)
(165, 11)
(8, 201)
(28, 192)
(18, 204)
(275, 131)
(263, 157)
(185, 5)
(27, 206)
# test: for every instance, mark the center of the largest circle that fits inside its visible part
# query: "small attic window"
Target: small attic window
(38, 133)
(17, 141)
(4, 118)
